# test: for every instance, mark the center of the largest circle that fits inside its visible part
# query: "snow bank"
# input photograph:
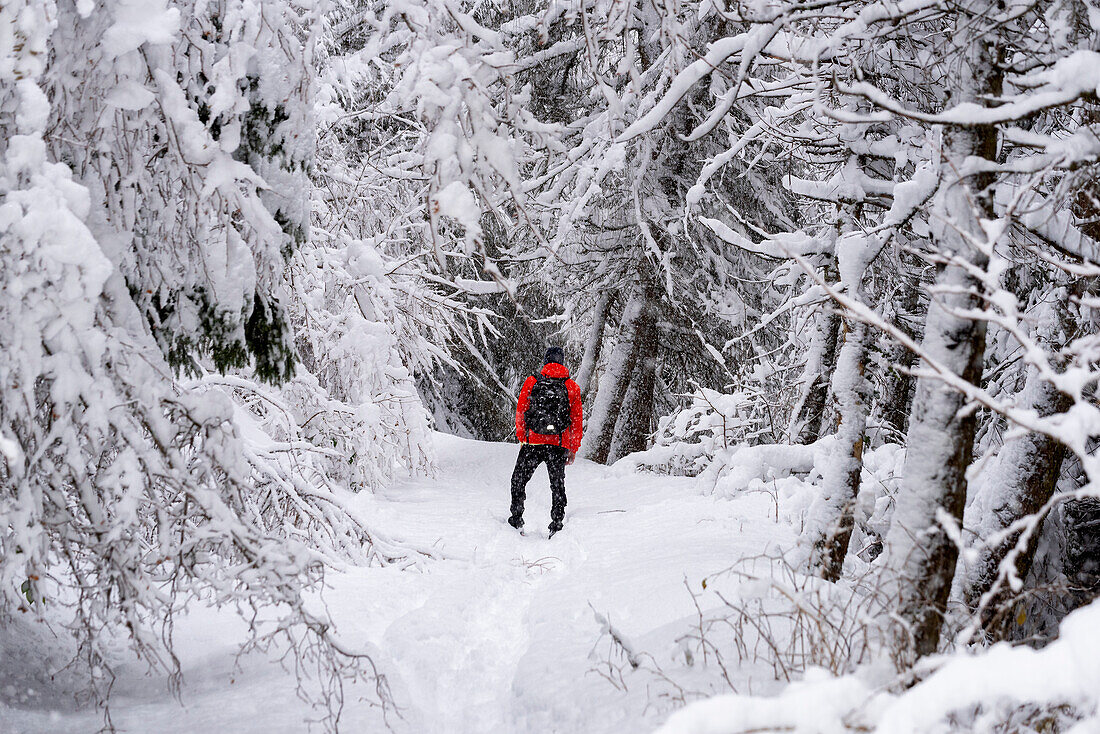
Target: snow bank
(966, 692)
(689, 441)
(818, 704)
(716, 439)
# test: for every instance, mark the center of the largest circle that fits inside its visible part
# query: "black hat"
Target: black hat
(555, 355)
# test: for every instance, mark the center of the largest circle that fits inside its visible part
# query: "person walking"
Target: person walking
(549, 426)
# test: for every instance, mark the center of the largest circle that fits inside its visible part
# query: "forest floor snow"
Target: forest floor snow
(499, 635)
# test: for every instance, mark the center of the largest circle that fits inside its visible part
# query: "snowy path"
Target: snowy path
(498, 636)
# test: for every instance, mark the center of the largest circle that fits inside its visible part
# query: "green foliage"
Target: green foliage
(263, 146)
(29, 590)
(189, 324)
(267, 336)
(297, 233)
(231, 340)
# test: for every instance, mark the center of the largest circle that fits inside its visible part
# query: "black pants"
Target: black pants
(530, 456)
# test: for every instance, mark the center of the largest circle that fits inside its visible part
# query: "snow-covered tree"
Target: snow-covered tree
(652, 301)
(155, 183)
(944, 125)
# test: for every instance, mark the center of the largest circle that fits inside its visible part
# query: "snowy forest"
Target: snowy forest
(826, 274)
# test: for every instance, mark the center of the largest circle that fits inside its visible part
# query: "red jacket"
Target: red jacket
(571, 439)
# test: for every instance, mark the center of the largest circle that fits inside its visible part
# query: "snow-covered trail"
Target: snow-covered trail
(497, 636)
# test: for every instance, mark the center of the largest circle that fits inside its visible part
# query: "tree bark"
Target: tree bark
(820, 363)
(593, 343)
(940, 441)
(632, 427)
(834, 515)
(897, 382)
(616, 380)
(1022, 480)
(940, 446)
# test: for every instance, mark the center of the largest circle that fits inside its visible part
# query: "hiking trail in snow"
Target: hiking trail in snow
(499, 635)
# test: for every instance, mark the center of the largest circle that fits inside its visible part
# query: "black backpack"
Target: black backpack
(548, 408)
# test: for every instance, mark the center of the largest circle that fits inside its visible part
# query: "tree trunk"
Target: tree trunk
(1081, 563)
(1022, 480)
(1026, 473)
(897, 388)
(940, 446)
(820, 362)
(593, 343)
(834, 515)
(615, 381)
(940, 442)
(632, 427)
(897, 383)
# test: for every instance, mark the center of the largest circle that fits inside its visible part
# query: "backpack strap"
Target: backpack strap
(538, 378)
(525, 428)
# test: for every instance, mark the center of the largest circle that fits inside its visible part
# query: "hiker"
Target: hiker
(549, 426)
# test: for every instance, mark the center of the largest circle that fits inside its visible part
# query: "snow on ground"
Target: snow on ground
(499, 635)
